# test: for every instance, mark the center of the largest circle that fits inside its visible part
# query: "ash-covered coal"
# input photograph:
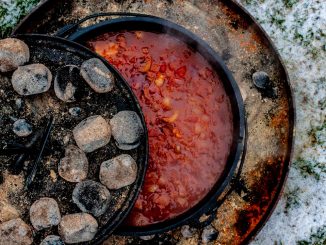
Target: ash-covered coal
(127, 129)
(118, 172)
(97, 75)
(68, 84)
(91, 197)
(13, 53)
(31, 79)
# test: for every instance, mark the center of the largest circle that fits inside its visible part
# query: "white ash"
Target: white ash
(13, 53)
(127, 129)
(44, 213)
(91, 197)
(74, 166)
(7, 212)
(52, 240)
(92, 133)
(187, 231)
(118, 172)
(22, 128)
(66, 83)
(75, 228)
(97, 75)
(209, 234)
(31, 79)
(15, 232)
(147, 238)
(19, 103)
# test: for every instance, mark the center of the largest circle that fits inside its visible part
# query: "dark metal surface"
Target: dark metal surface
(245, 48)
(54, 53)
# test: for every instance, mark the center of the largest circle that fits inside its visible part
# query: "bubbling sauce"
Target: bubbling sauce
(188, 115)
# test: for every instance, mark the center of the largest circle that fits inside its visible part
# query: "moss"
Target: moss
(316, 238)
(292, 199)
(8, 19)
(310, 168)
(290, 3)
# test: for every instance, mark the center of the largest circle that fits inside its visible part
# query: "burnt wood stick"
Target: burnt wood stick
(18, 165)
(37, 161)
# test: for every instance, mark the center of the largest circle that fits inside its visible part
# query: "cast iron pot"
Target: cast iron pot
(144, 22)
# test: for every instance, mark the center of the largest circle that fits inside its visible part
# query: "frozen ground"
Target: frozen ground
(298, 29)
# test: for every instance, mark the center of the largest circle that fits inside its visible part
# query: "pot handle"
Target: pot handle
(67, 30)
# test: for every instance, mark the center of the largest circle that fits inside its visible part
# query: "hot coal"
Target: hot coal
(13, 53)
(52, 240)
(92, 133)
(74, 166)
(68, 84)
(91, 197)
(118, 172)
(22, 128)
(44, 213)
(31, 79)
(75, 228)
(15, 232)
(127, 129)
(97, 75)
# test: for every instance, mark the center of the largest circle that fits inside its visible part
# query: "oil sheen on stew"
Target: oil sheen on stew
(188, 115)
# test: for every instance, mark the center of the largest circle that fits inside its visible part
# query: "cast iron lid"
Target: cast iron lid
(158, 25)
(54, 53)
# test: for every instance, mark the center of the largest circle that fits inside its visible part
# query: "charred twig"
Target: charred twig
(25, 151)
(37, 161)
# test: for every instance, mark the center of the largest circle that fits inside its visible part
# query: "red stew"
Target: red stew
(188, 116)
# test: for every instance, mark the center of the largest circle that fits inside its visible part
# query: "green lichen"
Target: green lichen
(318, 133)
(316, 238)
(310, 168)
(292, 199)
(290, 3)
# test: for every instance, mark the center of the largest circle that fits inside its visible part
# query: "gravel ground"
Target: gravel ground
(298, 29)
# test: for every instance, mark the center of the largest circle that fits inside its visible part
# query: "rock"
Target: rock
(22, 128)
(127, 129)
(264, 84)
(75, 228)
(91, 197)
(44, 213)
(92, 133)
(7, 212)
(13, 53)
(187, 232)
(261, 79)
(15, 232)
(118, 172)
(52, 240)
(209, 234)
(97, 75)
(31, 79)
(74, 166)
(75, 111)
(67, 83)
